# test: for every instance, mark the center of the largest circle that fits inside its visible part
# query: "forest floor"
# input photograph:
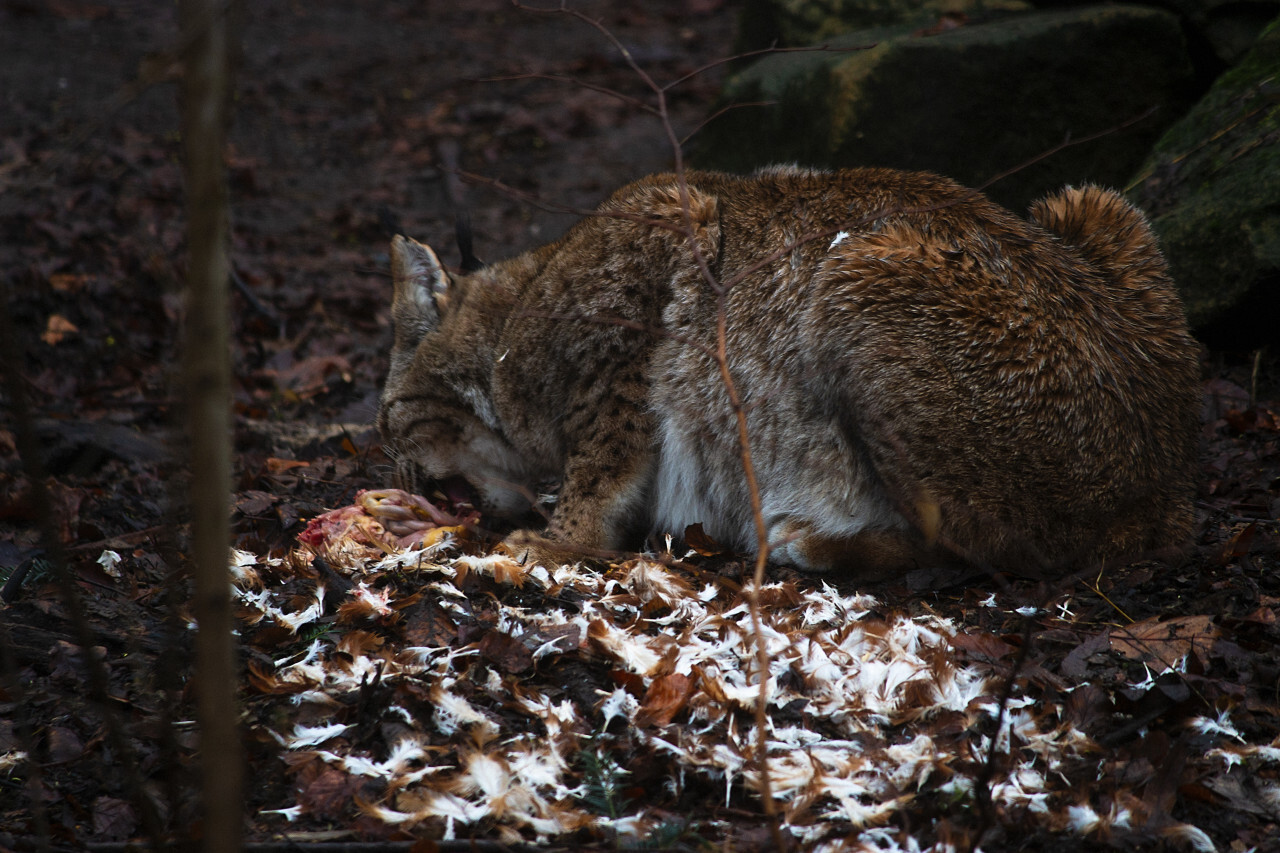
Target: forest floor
(357, 121)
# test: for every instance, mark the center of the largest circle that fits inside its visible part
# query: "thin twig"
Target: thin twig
(818, 48)
(744, 443)
(1065, 144)
(721, 357)
(635, 103)
(722, 111)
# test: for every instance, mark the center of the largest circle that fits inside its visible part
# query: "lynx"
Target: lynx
(925, 376)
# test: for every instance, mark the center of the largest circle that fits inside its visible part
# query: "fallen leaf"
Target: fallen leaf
(1164, 643)
(1243, 793)
(1221, 394)
(113, 818)
(58, 329)
(1262, 616)
(64, 744)
(279, 466)
(64, 282)
(429, 624)
(982, 644)
(1075, 663)
(505, 651)
(329, 794)
(254, 502)
(308, 376)
(1238, 545)
(666, 697)
(1252, 420)
(697, 539)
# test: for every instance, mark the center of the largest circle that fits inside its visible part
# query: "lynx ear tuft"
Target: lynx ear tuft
(462, 227)
(422, 290)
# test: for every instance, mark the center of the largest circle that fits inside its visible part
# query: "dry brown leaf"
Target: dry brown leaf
(1238, 545)
(697, 539)
(1262, 616)
(505, 651)
(113, 818)
(1165, 642)
(329, 794)
(65, 282)
(58, 329)
(279, 466)
(1252, 420)
(665, 698)
(982, 644)
(429, 624)
(64, 744)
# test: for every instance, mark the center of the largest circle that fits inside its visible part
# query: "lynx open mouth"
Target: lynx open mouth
(530, 506)
(461, 497)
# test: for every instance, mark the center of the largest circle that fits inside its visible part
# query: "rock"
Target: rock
(794, 23)
(972, 102)
(1227, 27)
(1212, 190)
(1221, 29)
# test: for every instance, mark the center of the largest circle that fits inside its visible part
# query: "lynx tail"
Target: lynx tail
(1111, 233)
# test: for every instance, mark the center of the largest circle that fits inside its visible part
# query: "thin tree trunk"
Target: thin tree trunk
(207, 369)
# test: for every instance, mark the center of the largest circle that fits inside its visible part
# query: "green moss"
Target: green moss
(971, 103)
(795, 23)
(1212, 186)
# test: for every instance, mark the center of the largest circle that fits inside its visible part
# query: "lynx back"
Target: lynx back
(924, 375)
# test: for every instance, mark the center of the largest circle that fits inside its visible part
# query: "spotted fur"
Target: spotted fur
(925, 374)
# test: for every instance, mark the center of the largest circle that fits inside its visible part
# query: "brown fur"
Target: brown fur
(921, 368)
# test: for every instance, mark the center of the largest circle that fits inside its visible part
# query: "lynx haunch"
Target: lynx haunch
(925, 375)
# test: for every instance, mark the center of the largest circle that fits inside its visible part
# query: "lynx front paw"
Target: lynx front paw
(788, 541)
(529, 548)
(871, 554)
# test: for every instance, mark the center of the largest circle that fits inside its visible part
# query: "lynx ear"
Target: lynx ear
(422, 290)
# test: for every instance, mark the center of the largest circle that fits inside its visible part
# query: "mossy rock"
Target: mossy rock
(973, 102)
(1228, 27)
(1212, 189)
(795, 23)
(1224, 29)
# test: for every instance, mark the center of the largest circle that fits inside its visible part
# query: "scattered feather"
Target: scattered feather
(110, 562)
(307, 736)
(853, 696)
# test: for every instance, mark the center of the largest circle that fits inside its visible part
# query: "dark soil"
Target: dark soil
(353, 122)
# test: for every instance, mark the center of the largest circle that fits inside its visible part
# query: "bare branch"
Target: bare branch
(1068, 143)
(722, 111)
(819, 48)
(605, 32)
(580, 83)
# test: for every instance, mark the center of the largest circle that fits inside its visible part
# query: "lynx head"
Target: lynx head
(436, 417)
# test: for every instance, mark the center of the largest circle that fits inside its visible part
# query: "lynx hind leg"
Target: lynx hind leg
(870, 554)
